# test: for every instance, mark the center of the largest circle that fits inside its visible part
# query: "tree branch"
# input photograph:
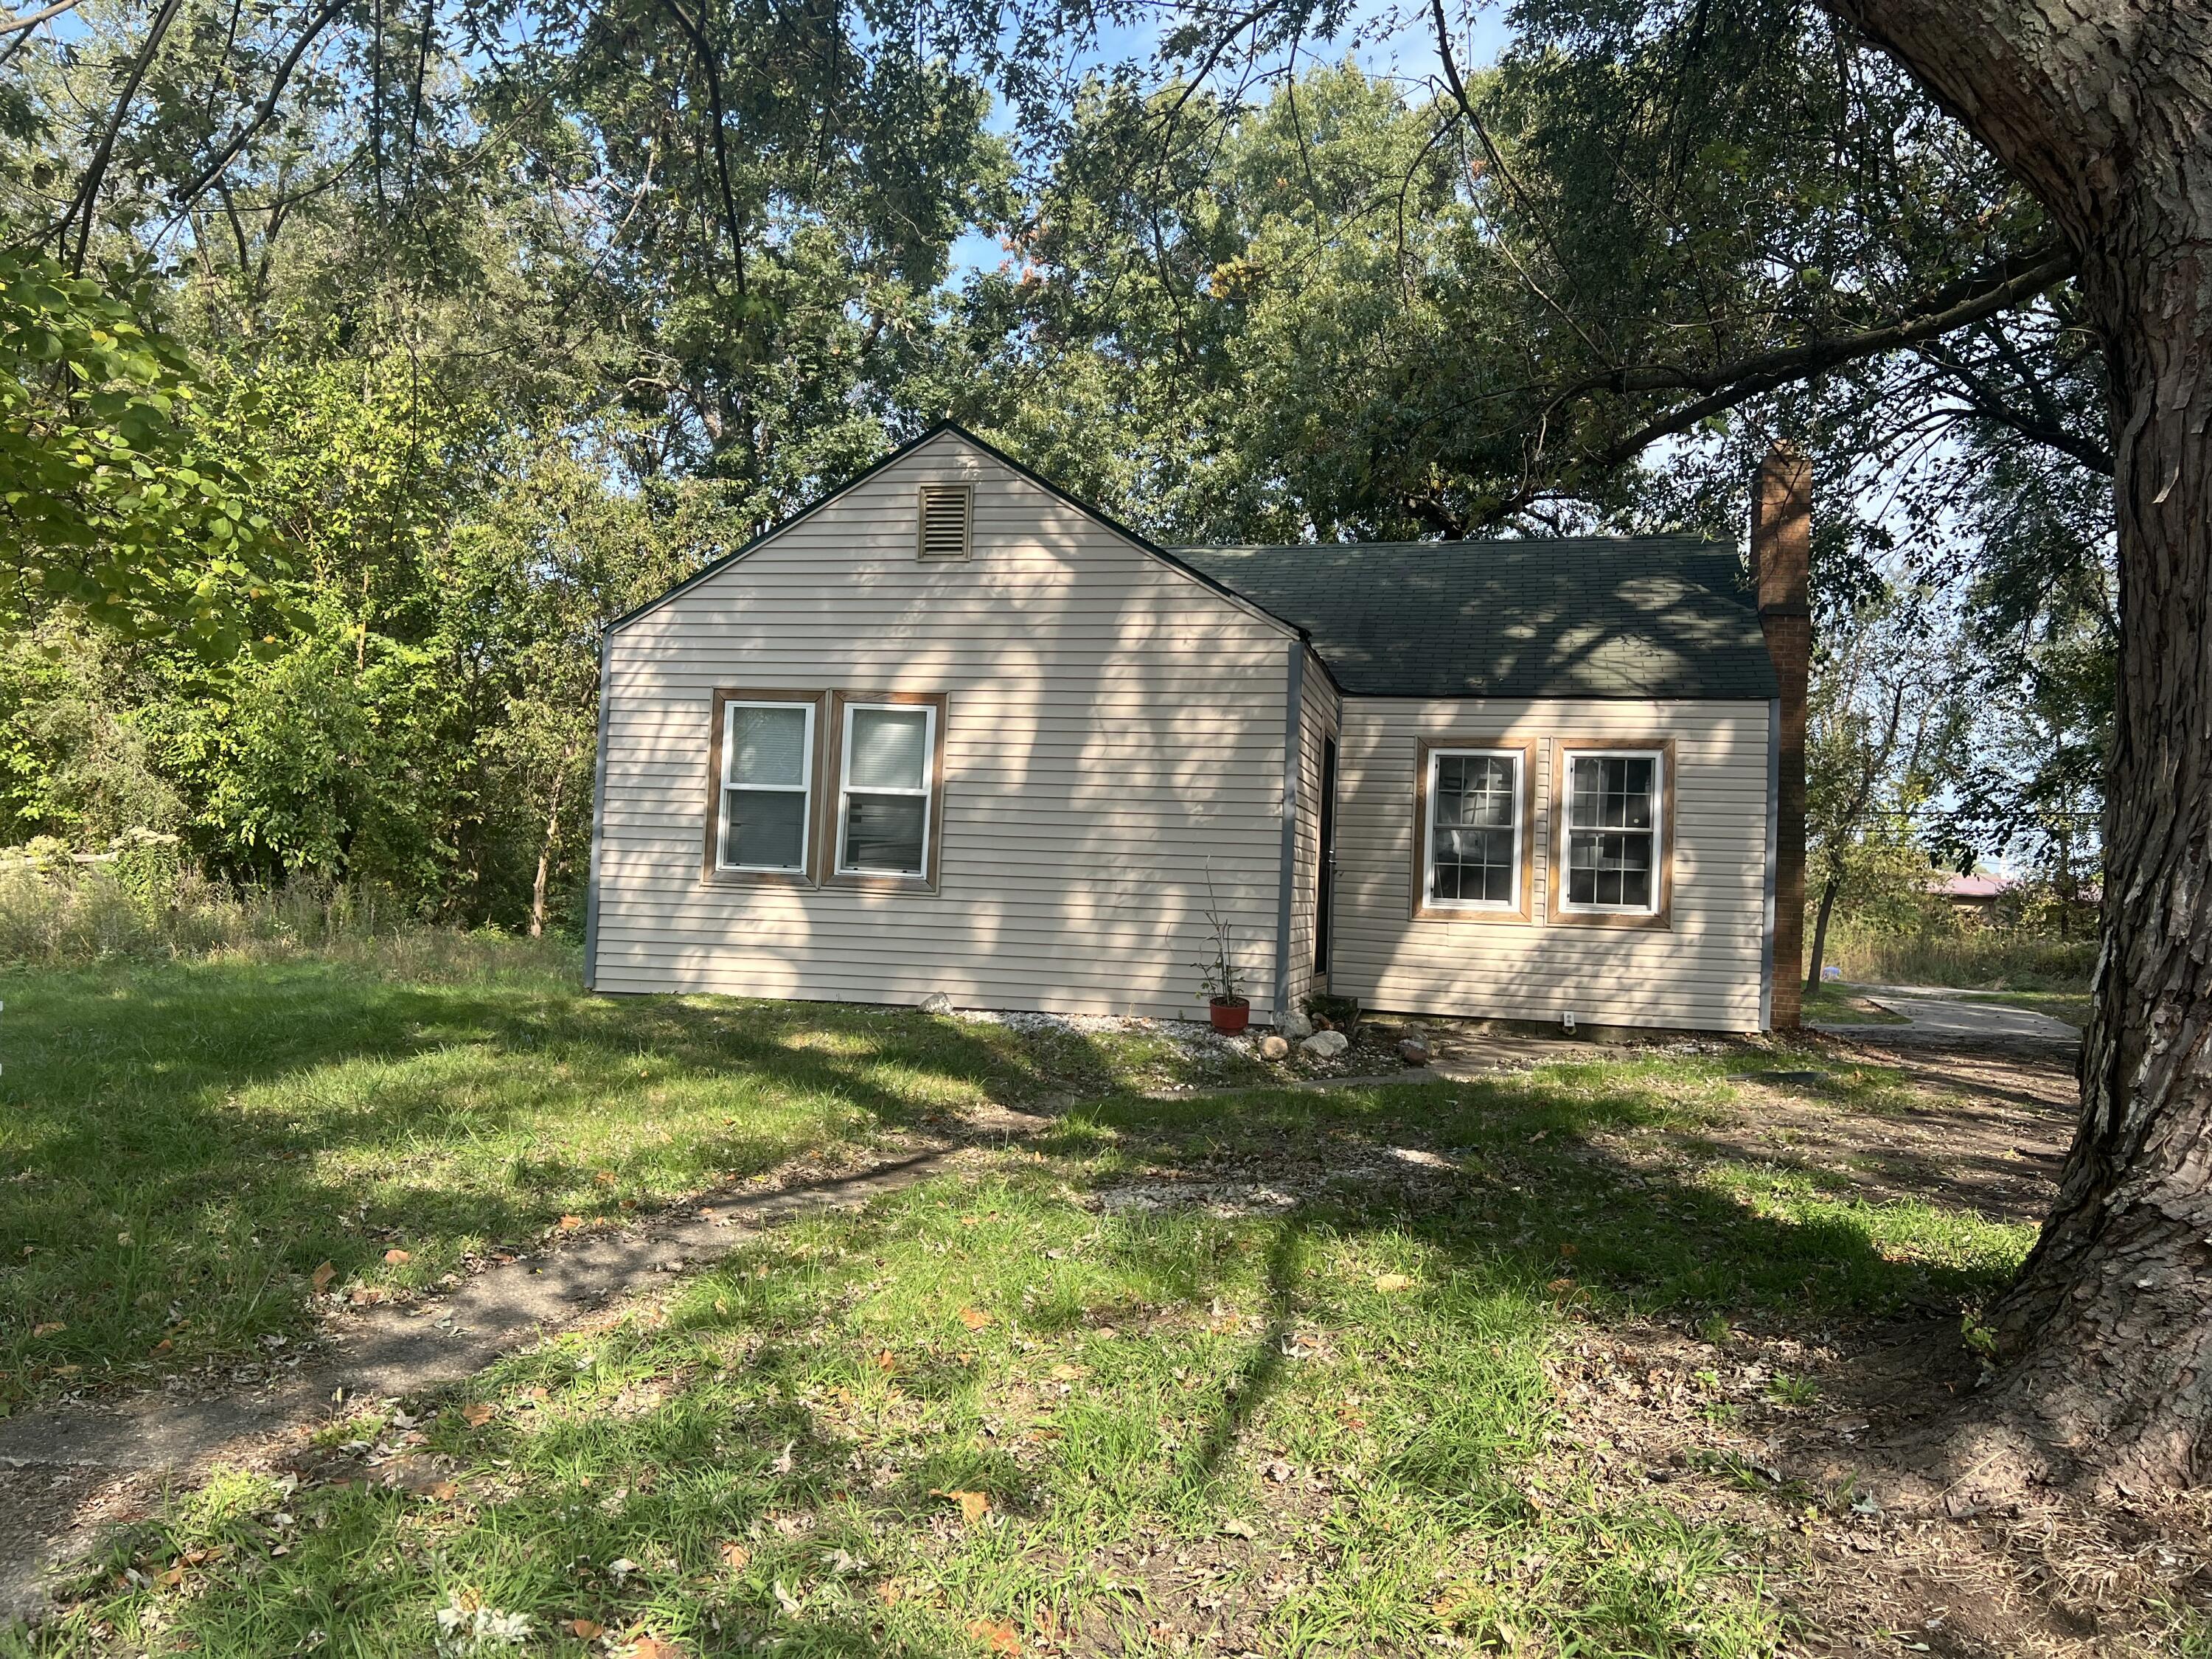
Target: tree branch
(1752, 377)
(191, 192)
(10, 25)
(704, 53)
(87, 200)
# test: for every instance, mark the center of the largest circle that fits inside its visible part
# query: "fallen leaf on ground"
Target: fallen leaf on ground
(163, 1346)
(888, 1592)
(171, 1579)
(974, 1506)
(445, 1491)
(652, 1647)
(886, 1361)
(1237, 1526)
(735, 1555)
(974, 1318)
(790, 1604)
(52, 1328)
(570, 1221)
(585, 1629)
(999, 1638)
(395, 1256)
(1392, 1282)
(322, 1278)
(476, 1413)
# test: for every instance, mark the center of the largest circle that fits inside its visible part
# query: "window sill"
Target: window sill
(1513, 918)
(718, 877)
(874, 882)
(1650, 921)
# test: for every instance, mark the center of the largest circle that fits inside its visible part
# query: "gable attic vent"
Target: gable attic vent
(944, 521)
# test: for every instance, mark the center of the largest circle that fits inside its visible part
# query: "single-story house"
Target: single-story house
(1972, 898)
(950, 730)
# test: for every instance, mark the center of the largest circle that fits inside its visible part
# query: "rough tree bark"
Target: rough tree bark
(2102, 108)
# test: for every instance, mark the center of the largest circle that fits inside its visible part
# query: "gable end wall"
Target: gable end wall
(1113, 723)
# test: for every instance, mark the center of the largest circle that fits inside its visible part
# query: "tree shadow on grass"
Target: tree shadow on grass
(1529, 1225)
(188, 1143)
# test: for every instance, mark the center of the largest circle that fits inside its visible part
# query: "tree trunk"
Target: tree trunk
(2104, 109)
(1828, 890)
(545, 848)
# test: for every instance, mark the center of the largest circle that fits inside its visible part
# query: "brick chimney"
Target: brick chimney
(1781, 558)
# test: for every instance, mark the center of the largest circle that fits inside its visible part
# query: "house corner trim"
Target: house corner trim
(1773, 856)
(1286, 893)
(599, 828)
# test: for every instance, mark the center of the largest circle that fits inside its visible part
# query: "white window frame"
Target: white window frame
(804, 789)
(928, 792)
(1437, 756)
(1568, 828)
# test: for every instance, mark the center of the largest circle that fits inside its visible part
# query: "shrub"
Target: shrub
(1986, 958)
(141, 899)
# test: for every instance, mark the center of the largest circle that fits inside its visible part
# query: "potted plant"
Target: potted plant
(1226, 1005)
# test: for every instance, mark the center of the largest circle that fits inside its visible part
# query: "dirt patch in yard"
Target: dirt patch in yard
(1812, 1439)
(1981, 1130)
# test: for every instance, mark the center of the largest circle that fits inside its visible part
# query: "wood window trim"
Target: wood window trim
(711, 870)
(833, 788)
(1523, 913)
(1659, 919)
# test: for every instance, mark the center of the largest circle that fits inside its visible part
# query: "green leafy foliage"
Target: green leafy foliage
(109, 499)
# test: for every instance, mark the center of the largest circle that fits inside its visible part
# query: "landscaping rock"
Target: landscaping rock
(1274, 1048)
(1325, 1045)
(1414, 1052)
(1297, 1026)
(936, 1003)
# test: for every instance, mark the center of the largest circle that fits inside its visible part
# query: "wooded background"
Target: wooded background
(359, 359)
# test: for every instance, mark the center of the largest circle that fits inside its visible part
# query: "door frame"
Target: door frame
(1325, 830)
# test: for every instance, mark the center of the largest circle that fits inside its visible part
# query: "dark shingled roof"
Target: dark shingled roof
(1592, 616)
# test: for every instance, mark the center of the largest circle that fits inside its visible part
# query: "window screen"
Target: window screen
(767, 756)
(1613, 832)
(1474, 829)
(883, 804)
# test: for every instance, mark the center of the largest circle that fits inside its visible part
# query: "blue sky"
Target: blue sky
(1395, 41)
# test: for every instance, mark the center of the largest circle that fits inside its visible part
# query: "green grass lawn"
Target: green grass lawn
(183, 1146)
(1267, 1374)
(1833, 1004)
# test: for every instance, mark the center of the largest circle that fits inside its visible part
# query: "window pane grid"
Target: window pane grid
(1613, 832)
(768, 765)
(1474, 830)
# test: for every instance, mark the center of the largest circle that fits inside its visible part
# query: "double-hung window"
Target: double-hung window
(1472, 830)
(1614, 830)
(766, 794)
(887, 797)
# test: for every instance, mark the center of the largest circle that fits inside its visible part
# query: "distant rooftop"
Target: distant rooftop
(1586, 617)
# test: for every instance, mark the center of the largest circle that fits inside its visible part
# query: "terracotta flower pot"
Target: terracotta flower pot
(1230, 1014)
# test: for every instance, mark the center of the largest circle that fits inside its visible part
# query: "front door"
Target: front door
(1327, 890)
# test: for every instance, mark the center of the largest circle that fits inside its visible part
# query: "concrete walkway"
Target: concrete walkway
(1939, 1014)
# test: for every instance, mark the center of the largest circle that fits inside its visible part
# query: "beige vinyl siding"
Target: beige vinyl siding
(1111, 723)
(1317, 719)
(1704, 972)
